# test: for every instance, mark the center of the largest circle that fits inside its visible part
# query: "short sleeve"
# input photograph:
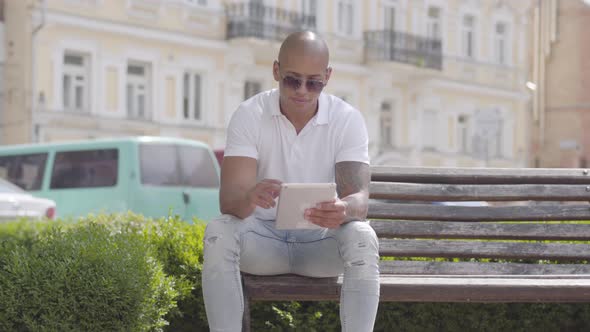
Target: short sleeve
(354, 142)
(242, 134)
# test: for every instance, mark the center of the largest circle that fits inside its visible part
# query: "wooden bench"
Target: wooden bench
(527, 245)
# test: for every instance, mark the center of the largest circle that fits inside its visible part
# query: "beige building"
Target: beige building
(439, 82)
(561, 78)
(2, 57)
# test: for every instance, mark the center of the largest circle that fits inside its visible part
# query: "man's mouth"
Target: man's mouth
(299, 101)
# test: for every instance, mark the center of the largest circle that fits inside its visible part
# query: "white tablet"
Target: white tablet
(295, 198)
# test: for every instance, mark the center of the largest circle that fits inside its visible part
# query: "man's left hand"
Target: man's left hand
(330, 214)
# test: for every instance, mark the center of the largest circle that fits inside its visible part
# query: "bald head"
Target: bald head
(304, 43)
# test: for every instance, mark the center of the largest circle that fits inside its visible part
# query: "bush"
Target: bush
(81, 277)
(123, 272)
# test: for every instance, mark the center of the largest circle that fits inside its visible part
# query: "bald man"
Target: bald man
(295, 133)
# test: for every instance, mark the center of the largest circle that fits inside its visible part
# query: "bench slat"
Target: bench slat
(379, 210)
(472, 175)
(487, 249)
(476, 230)
(473, 268)
(471, 192)
(485, 289)
(427, 288)
(290, 287)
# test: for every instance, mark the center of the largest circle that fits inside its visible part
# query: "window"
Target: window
(500, 43)
(309, 11)
(197, 2)
(85, 169)
(345, 17)
(433, 23)
(75, 82)
(251, 88)
(468, 32)
(197, 167)
(176, 165)
(429, 130)
(191, 96)
(388, 18)
(488, 140)
(309, 7)
(463, 133)
(386, 124)
(25, 171)
(498, 139)
(138, 91)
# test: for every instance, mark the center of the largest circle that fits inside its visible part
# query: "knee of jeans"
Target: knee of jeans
(220, 231)
(360, 247)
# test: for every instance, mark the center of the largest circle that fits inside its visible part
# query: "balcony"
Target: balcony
(403, 47)
(264, 22)
(484, 73)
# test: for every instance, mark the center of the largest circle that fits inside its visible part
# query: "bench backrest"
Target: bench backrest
(534, 216)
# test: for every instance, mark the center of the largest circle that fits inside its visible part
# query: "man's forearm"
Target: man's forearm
(237, 204)
(352, 180)
(356, 206)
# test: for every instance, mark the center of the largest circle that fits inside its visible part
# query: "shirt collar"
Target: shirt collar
(320, 118)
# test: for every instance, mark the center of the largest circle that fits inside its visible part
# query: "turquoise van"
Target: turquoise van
(153, 176)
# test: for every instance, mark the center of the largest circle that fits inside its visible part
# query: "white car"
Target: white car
(16, 203)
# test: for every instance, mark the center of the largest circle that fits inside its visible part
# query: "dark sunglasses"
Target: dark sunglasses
(313, 86)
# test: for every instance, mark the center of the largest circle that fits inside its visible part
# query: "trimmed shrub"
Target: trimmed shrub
(81, 277)
(124, 272)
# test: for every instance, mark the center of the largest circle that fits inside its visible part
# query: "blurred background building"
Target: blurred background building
(2, 56)
(440, 83)
(561, 82)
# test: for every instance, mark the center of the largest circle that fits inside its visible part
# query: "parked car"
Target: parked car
(152, 176)
(16, 203)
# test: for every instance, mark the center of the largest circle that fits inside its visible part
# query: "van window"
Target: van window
(25, 171)
(85, 169)
(198, 167)
(174, 165)
(159, 165)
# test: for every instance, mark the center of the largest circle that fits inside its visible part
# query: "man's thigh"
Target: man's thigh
(262, 249)
(319, 257)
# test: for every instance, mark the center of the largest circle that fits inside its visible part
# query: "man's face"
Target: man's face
(301, 79)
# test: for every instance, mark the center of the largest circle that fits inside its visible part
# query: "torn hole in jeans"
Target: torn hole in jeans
(359, 262)
(212, 239)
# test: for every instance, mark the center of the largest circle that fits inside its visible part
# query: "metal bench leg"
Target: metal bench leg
(246, 316)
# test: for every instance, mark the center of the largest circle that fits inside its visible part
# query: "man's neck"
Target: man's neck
(299, 118)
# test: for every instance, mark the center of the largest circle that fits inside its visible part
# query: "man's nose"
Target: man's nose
(302, 87)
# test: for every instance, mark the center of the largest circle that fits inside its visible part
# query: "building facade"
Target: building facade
(2, 59)
(440, 83)
(561, 78)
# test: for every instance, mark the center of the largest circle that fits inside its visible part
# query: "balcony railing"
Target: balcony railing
(256, 20)
(403, 47)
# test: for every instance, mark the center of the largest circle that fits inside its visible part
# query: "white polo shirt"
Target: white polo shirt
(259, 130)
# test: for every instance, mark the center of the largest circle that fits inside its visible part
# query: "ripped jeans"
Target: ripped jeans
(255, 246)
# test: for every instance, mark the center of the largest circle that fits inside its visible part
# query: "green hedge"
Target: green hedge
(86, 277)
(122, 272)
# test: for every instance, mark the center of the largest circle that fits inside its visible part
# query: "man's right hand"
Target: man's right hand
(240, 193)
(264, 193)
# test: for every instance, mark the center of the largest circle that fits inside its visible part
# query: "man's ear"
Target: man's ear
(275, 71)
(328, 74)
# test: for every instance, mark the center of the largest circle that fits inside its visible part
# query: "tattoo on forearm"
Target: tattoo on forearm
(352, 184)
(352, 177)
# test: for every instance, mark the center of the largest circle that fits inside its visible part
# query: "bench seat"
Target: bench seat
(527, 240)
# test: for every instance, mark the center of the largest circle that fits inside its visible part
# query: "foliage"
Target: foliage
(124, 272)
(82, 277)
